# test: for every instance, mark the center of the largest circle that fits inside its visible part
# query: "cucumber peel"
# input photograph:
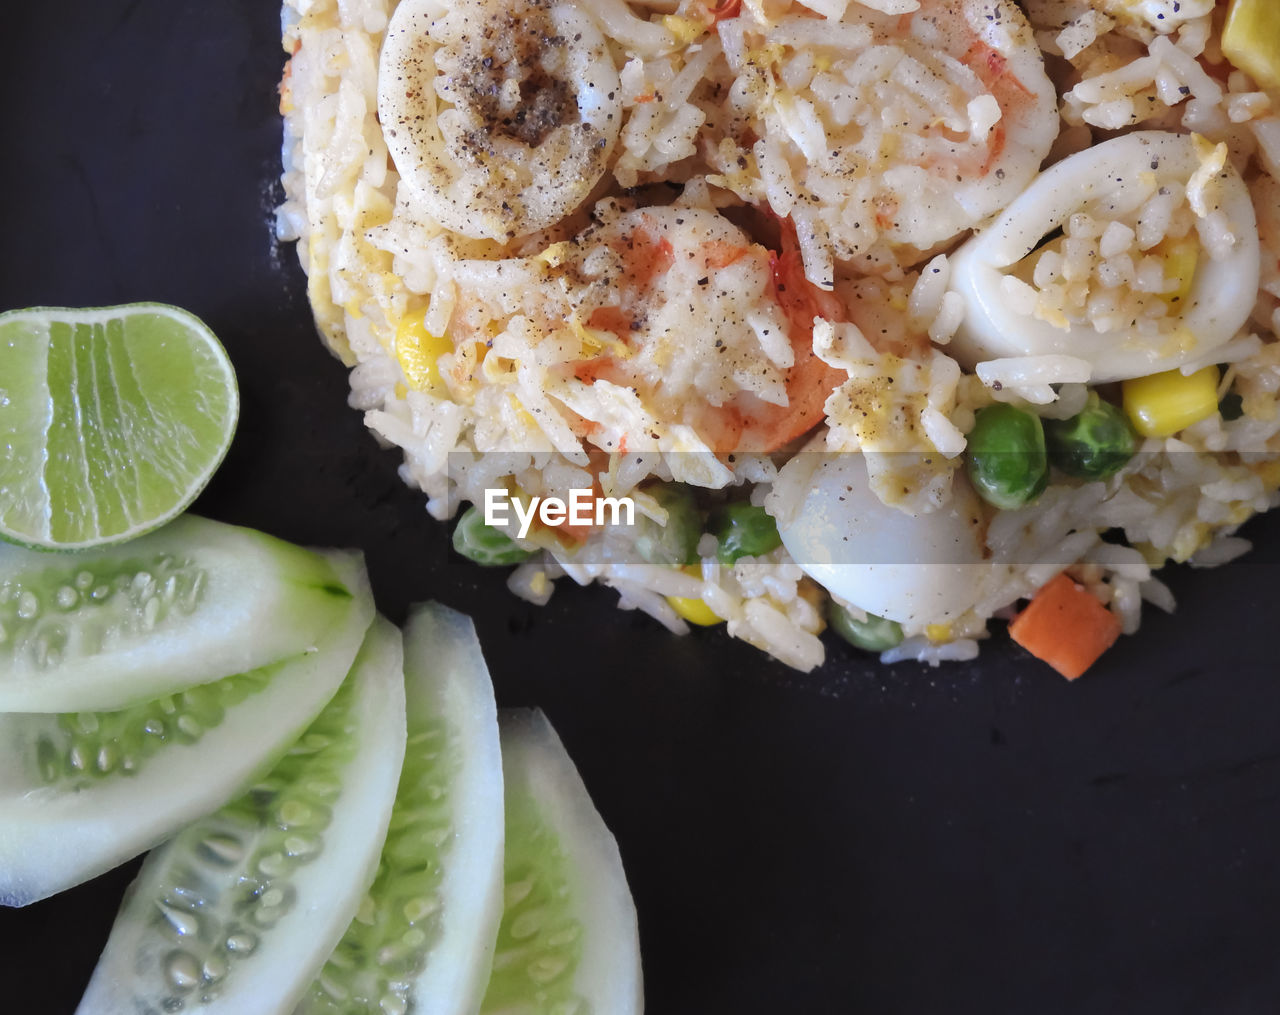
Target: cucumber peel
(83, 792)
(423, 938)
(187, 604)
(239, 911)
(568, 939)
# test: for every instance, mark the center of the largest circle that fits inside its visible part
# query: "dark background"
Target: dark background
(977, 838)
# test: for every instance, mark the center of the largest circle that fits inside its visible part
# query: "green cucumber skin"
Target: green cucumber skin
(453, 796)
(233, 600)
(545, 791)
(322, 887)
(55, 835)
(454, 984)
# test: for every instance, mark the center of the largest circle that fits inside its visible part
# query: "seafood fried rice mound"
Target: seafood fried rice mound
(892, 316)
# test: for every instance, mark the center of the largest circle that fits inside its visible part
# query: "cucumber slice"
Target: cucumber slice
(189, 603)
(238, 912)
(83, 792)
(568, 940)
(423, 939)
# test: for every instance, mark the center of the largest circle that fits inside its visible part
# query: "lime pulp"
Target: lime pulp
(112, 420)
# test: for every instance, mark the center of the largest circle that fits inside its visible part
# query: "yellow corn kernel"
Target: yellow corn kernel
(1160, 405)
(1251, 39)
(419, 353)
(1180, 259)
(695, 611)
(938, 632)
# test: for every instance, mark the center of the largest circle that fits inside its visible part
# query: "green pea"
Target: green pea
(743, 530)
(1094, 444)
(484, 544)
(1006, 456)
(676, 543)
(1232, 406)
(875, 634)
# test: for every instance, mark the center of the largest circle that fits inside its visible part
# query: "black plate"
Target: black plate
(978, 838)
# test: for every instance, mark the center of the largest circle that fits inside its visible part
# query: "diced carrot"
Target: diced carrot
(1066, 627)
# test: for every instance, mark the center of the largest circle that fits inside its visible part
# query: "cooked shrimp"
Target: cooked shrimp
(714, 332)
(499, 117)
(657, 329)
(881, 136)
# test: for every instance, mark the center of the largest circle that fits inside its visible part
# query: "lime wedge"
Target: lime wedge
(111, 421)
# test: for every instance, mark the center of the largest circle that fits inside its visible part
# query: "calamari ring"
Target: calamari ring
(500, 118)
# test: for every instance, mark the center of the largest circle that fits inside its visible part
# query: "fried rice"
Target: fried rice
(637, 247)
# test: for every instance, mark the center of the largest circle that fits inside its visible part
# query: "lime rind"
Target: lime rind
(26, 412)
(112, 420)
